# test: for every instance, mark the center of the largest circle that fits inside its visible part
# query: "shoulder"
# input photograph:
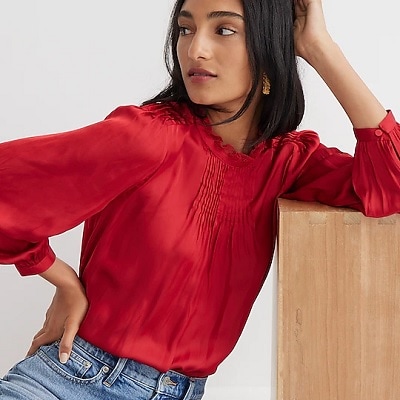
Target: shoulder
(299, 141)
(154, 130)
(302, 147)
(162, 114)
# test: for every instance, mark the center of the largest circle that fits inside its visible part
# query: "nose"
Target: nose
(200, 47)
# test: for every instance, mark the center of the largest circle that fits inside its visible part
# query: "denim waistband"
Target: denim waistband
(170, 383)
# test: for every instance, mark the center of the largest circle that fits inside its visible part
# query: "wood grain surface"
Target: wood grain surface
(338, 307)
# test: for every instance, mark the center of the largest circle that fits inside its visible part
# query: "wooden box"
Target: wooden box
(339, 304)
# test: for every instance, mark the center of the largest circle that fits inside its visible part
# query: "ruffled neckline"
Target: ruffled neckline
(182, 113)
(226, 151)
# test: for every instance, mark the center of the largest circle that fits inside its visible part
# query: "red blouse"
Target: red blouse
(179, 228)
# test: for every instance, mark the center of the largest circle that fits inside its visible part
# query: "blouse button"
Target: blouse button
(378, 133)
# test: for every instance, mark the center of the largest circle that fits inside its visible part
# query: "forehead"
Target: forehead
(206, 6)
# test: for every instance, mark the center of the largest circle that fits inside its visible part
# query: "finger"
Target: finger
(300, 6)
(39, 333)
(36, 343)
(71, 329)
(31, 351)
(41, 340)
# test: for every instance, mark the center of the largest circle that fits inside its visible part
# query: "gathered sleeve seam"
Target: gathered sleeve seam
(26, 268)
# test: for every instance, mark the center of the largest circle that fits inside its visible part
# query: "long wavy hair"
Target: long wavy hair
(270, 47)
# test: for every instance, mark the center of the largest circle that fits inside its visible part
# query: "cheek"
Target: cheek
(243, 71)
(246, 67)
(180, 52)
(236, 59)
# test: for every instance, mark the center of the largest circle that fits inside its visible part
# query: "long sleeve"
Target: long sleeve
(51, 183)
(368, 182)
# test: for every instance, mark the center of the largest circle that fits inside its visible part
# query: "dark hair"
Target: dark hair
(270, 46)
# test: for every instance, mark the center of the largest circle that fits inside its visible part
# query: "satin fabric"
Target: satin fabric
(179, 228)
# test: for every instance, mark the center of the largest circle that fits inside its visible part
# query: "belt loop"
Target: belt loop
(190, 389)
(115, 372)
(168, 386)
(160, 382)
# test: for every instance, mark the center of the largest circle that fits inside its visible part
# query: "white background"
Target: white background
(67, 64)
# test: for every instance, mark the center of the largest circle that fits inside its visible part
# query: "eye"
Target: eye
(225, 31)
(183, 31)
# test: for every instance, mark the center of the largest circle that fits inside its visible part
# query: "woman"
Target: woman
(178, 198)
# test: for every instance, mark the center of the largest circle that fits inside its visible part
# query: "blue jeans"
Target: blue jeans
(93, 374)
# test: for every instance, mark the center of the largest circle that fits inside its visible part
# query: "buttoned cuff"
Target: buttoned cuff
(386, 126)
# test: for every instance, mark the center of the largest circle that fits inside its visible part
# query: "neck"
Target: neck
(239, 133)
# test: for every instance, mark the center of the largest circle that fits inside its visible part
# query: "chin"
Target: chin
(207, 101)
(200, 100)
(226, 104)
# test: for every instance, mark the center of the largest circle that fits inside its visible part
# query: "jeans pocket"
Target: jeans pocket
(80, 367)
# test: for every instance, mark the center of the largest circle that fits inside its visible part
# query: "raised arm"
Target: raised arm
(315, 45)
(369, 181)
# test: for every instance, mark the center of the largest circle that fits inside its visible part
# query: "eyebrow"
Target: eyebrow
(213, 14)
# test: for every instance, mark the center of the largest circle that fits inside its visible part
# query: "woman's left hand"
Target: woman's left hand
(309, 27)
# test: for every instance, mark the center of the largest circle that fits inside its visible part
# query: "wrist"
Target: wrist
(62, 276)
(322, 51)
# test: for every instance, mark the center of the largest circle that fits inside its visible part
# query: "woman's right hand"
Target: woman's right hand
(66, 311)
(310, 30)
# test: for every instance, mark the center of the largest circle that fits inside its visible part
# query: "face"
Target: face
(212, 53)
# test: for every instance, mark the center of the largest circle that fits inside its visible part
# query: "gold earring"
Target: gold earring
(266, 85)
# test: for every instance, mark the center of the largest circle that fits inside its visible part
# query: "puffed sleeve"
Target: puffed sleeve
(368, 182)
(51, 183)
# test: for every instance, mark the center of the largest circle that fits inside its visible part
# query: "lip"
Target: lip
(198, 75)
